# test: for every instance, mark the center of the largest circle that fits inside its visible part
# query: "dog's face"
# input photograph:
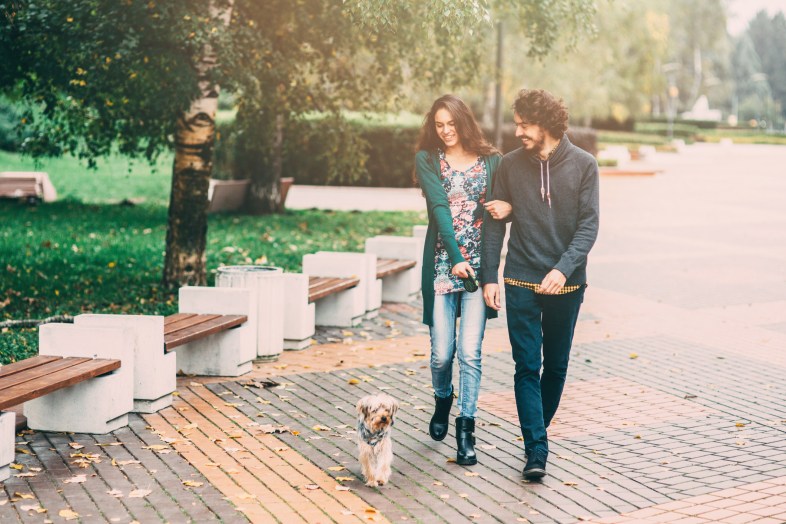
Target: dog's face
(377, 411)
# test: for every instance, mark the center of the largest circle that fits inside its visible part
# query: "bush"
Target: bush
(679, 130)
(10, 140)
(330, 150)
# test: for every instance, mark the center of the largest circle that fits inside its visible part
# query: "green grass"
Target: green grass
(115, 179)
(741, 136)
(85, 253)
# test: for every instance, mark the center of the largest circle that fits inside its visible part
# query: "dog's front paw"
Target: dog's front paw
(381, 482)
(371, 483)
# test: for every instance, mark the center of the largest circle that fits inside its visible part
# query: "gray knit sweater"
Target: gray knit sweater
(555, 215)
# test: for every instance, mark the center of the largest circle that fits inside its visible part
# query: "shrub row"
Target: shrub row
(337, 152)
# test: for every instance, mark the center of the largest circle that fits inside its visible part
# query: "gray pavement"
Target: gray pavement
(674, 411)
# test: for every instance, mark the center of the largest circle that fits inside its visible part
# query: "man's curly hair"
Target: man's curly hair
(539, 107)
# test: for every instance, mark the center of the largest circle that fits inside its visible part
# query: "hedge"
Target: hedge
(334, 151)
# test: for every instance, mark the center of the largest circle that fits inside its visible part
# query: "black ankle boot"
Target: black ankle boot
(465, 440)
(438, 427)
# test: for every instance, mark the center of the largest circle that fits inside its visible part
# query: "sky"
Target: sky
(741, 11)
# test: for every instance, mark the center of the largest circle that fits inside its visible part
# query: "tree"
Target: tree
(105, 75)
(768, 36)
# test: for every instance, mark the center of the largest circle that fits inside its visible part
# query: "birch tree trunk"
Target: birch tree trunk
(186, 237)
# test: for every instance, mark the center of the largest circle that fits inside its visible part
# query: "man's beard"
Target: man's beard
(534, 146)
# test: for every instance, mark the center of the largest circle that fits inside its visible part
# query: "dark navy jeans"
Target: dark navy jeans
(541, 333)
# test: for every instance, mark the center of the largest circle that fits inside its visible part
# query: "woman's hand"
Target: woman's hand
(463, 270)
(498, 209)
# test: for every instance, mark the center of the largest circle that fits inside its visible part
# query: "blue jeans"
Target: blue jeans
(444, 343)
(538, 322)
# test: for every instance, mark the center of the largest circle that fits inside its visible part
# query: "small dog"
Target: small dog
(375, 448)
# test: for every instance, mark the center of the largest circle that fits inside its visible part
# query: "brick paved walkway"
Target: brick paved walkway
(674, 411)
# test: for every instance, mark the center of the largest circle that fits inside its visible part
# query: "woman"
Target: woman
(454, 166)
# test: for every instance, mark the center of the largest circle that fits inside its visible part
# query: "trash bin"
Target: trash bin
(268, 285)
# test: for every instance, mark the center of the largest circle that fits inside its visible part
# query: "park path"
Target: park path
(674, 411)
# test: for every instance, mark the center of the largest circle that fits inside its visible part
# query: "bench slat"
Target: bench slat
(41, 370)
(186, 323)
(390, 266)
(330, 286)
(210, 326)
(22, 365)
(171, 319)
(43, 385)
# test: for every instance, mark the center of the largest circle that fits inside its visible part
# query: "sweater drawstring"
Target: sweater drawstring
(545, 190)
(548, 184)
(542, 189)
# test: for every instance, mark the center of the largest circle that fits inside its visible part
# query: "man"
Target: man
(548, 188)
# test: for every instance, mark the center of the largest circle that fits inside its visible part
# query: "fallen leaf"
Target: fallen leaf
(487, 446)
(311, 486)
(22, 451)
(463, 495)
(37, 508)
(444, 496)
(471, 473)
(337, 468)
(76, 479)
(740, 424)
(570, 483)
(370, 510)
(139, 493)
(192, 483)
(25, 475)
(633, 355)
(270, 428)
(345, 479)
(353, 381)
(17, 467)
(438, 483)
(320, 428)
(24, 495)
(339, 487)
(68, 514)
(75, 445)
(116, 493)
(156, 447)
(124, 462)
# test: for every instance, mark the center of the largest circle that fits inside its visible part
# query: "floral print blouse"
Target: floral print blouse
(466, 192)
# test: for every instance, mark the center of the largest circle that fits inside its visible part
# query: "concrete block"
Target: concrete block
(7, 442)
(97, 405)
(267, 284)
(403, 286)
(362, 265)
(230, 353)
(299, 315)
(154, 369)
(346, 308)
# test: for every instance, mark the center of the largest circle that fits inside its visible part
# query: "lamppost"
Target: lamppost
(670, 70)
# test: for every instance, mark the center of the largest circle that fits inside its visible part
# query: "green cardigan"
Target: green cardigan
(440, 220)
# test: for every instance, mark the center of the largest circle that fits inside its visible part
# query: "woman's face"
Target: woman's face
(446, 128)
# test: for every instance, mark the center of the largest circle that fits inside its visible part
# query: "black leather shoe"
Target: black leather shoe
(438, 427)
(465, 440)
(536, 464)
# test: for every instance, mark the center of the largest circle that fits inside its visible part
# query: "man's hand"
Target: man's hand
(553, 283)
(498, 209)
(463, 270)
(491, 296)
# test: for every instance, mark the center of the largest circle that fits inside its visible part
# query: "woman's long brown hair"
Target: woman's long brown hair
(469, 133)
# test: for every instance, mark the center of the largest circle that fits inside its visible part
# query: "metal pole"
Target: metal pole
(498, 91)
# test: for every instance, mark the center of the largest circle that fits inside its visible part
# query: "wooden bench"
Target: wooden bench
(398, 265)
(321, 287)
(35, 377)
(40, 375)
(22, 187)
(391, 266)
(182, 328)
